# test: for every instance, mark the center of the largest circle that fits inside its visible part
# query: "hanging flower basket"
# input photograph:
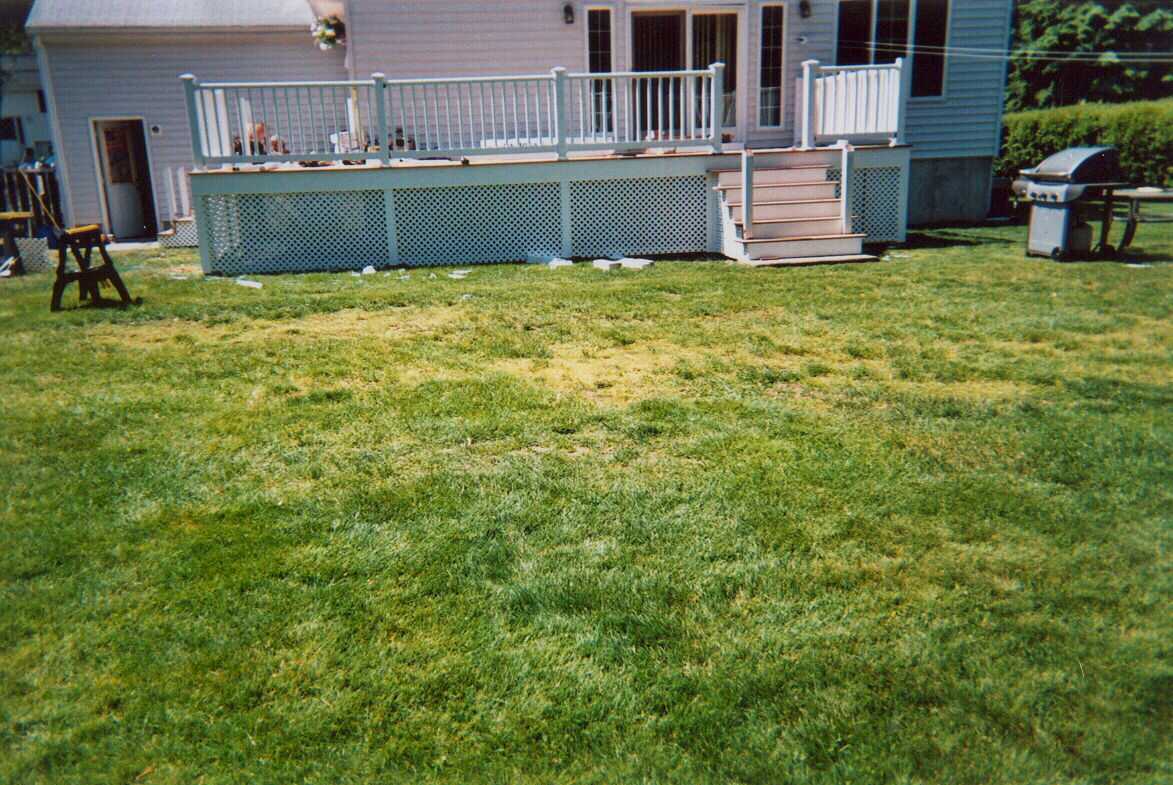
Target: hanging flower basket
(328, 32)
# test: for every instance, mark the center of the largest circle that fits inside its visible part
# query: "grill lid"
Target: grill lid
(1078, 165)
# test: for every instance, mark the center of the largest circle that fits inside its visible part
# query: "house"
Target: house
(24, 120)
(915, 87)
(110, 69)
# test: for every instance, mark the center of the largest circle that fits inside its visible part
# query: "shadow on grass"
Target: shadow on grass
(952, 238)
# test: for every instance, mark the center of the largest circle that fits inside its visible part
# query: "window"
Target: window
(773, 38)
(714, 40)
(891, 38)
(879, 31)
(599, 40)
(599, 59)
(855, 32)
(10, 129)
(928, 62)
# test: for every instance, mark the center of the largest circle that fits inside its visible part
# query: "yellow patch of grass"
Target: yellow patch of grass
(350, 323)
(614, 376)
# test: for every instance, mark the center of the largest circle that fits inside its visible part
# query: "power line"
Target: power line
(1105, 57)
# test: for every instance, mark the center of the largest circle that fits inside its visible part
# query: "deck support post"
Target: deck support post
(718, 103)
(808, 103)
(747, 194)
(560, 98)
(380, 89)
(846, 183)
(190, 84)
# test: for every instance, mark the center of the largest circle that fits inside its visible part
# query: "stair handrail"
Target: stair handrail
(747, 166)
(846, 184)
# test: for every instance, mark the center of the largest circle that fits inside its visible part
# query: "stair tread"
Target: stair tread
(776, 185)
(827, 200)
(810, 261)
(775, 168)
(740, 222)
(835, 236)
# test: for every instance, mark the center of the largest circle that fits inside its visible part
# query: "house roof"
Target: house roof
(168, 14)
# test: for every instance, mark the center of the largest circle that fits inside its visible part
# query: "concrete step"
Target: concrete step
(775, 176)
(811, 261)
(813, 189)
(794, 208)
(794, 247)
(791, 227)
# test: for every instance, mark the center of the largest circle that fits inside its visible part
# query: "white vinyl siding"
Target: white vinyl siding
(967, 119)
(95, 76)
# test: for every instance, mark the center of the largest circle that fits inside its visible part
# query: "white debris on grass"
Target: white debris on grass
(1141, 266)
(606, 264)
(249, 284)
(459, 275)
(538, 258)
(630, 263)
(368, 270)
(553, 264)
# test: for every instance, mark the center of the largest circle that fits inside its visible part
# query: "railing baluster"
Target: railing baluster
(516, 124)
(419, 103)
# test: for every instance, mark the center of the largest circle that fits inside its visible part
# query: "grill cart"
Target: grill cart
(1068, 191)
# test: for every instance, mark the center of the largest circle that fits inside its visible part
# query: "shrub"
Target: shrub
(1142, 131)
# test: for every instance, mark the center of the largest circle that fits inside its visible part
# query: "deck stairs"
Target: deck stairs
(798, 218)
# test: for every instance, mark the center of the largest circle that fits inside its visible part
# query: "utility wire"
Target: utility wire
(1018, 54)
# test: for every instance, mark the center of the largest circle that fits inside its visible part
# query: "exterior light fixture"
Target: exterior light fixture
(568, 13)
(804, 9)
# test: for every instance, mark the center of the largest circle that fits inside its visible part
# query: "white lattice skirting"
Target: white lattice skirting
(875, 202)
(184, 234)
(308, 221)
(467, 224)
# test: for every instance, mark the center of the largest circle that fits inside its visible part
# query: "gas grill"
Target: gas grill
(1067, 191)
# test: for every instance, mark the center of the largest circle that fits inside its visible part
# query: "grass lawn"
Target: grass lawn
(905, 522)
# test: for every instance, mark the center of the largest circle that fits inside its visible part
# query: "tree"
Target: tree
(1094, 32)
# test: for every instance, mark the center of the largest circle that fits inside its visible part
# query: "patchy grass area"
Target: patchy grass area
(905, 522)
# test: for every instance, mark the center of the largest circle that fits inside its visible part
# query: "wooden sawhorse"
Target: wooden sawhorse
(80, 241)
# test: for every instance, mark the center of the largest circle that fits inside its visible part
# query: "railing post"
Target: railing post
(190, 84)
(717, 100)
(905, 74)
(746, 194)
(561, 133)
(846, 177)
(808, 103)
(380, 89)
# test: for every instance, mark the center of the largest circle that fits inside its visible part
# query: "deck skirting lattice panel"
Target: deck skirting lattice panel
(475, 224)
(452, 223)
(875, 202)
(183, 234)
(644, 216)
(295, 232)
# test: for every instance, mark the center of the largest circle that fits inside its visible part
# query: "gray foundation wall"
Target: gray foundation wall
(949, 190)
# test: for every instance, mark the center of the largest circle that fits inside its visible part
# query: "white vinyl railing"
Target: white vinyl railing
(858, 103)
(261, 122)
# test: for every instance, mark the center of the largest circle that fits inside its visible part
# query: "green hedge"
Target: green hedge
(1142, 131)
